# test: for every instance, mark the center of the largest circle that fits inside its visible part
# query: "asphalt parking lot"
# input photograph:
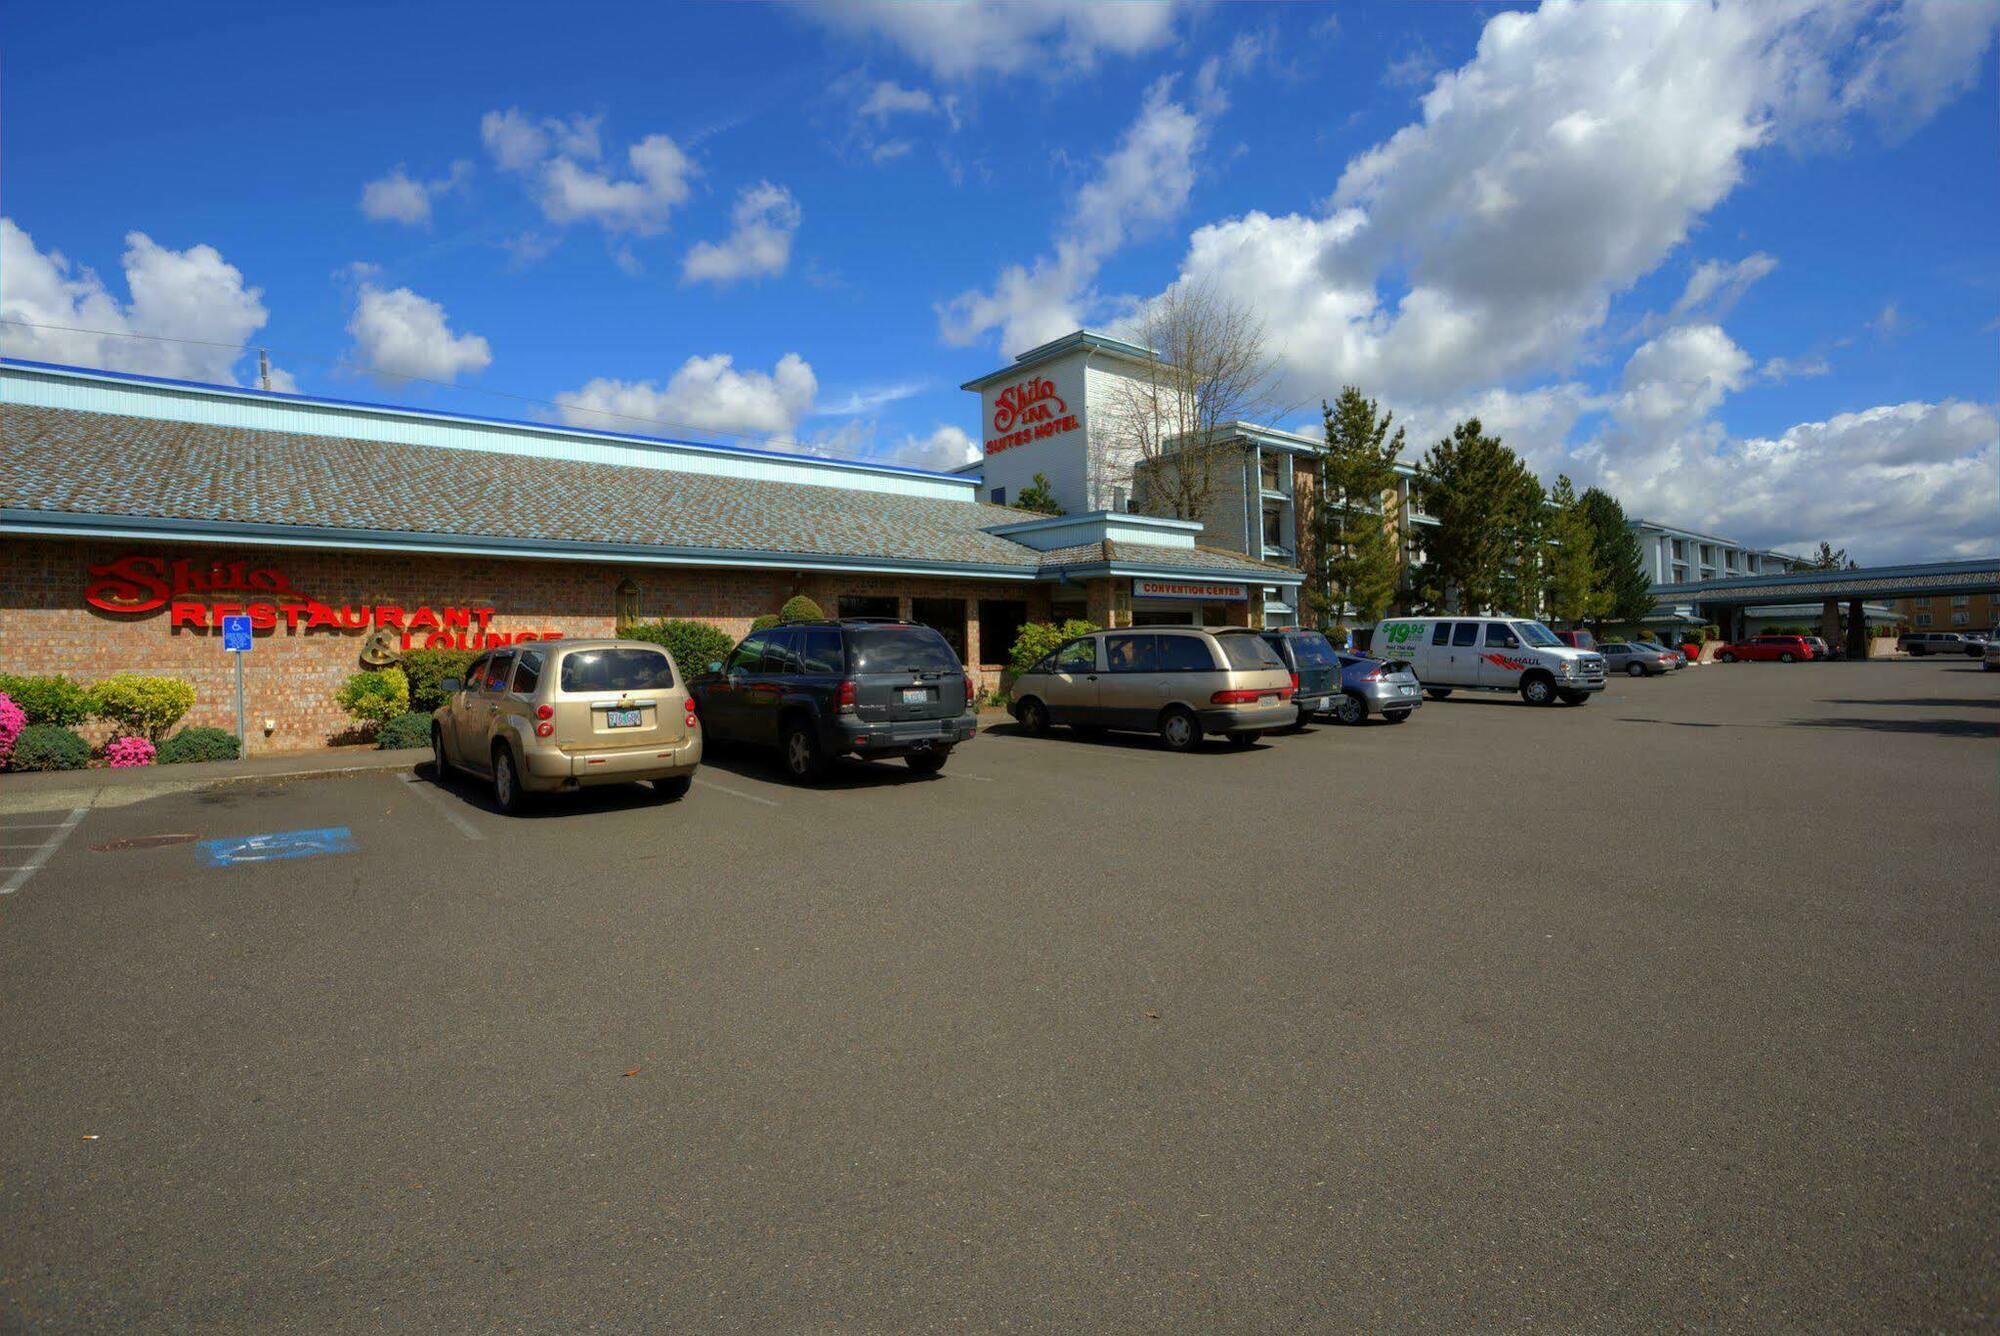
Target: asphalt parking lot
(1676, 1009)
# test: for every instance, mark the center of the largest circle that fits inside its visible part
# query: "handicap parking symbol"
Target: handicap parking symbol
(271, 847)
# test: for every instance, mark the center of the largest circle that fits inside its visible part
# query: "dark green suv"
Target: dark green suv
(853, 687)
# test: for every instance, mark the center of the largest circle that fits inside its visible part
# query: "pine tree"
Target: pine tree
(1576, 589)
(1487, 504)
(1039, 496)
(1627, 588)
(1352, 554)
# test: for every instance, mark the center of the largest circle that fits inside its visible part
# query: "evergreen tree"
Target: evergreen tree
(1576, 588)
(1628, 589)
(1352, 555)
(1829, 558)
(1039, 496)
(1487, 504)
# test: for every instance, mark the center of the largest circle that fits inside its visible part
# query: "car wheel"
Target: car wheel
(1243, 741)
(1033, 717)
(927, 762)
(1786, 657)
(1538, 690)
(440, 765)
(673, 789)
(1726, 657)
(507, 795)
(1349, 709)
(1179, 730)
(1635, 669)
(801, 753)
(1395, 716)
(1438, 693)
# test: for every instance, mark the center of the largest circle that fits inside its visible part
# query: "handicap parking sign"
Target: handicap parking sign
(276, 845)
(236, 634)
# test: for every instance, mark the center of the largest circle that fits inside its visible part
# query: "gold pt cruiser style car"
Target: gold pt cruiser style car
(563, 714)
(1176, 681)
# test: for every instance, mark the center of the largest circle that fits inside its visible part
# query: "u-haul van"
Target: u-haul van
(1490, 654)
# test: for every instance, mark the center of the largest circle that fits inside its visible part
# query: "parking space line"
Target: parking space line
(735, 793)
(44, 851)
(423, 790)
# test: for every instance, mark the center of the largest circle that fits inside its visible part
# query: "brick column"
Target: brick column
(1829, 623)
(1857, 630)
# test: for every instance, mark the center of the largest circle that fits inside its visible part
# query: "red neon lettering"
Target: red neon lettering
(1026, 402)
(187, 614)
(262, 616)
(129, 584)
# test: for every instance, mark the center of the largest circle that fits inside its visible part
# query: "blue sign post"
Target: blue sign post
(236, 640)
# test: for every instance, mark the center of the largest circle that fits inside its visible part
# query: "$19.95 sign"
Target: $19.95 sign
(212, 595)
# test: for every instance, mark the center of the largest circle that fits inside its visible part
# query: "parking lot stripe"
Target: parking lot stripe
(735, 793)
(43, 852)
(422, 790)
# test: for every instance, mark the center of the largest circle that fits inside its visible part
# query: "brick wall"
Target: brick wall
(291, 674)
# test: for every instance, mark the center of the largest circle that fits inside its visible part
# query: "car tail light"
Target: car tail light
(1234, 697)
(545, 728)
(690, 718)
(1285, 693)
(545, 712)
(847, 700)
(1372, 675)
(971, 692)
(1295, 682)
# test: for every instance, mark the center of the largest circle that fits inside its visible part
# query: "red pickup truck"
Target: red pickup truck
(1768, 649)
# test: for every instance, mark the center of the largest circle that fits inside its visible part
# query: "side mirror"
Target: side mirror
(715, 667)
(451, 686)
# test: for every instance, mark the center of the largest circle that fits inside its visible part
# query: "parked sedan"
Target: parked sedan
(1376, 686)
(1635, 658)
(1767, 649)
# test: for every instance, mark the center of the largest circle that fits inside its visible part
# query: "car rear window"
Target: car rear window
(894, 648)
(1183, 654)
(1313, 651)
(1248, 653)
(617, 670)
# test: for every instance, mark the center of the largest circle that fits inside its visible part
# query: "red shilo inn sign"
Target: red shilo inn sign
(1028, 412)
(136, 586)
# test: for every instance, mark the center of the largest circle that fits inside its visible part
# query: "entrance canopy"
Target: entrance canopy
(1874, 583)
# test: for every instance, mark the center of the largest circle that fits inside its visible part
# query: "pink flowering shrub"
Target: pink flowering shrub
(122, 752)
(12, 720)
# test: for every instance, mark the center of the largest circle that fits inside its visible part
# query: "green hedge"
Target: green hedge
(405, 730)
(693, 645)
(375, 695)
(1039, 638)
(194, 745)
(47, 700)
(49, 747)
(427, 669)
(764, 623)
(799, 608)
(145, 706)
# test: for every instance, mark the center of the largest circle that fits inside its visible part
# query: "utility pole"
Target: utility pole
(264, 368)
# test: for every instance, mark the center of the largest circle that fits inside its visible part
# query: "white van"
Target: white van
(1491, 654)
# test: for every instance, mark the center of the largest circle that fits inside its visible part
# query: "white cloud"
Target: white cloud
(957, 39)
(1561, 164)
(759, 243)
(193, 294)
(707, 395)
(943, 450)
(888, 98)
(1778, 370)
(398, 334)
(1678, 379)
(1141, 184)
(869, 400)
(560, 158)
(401, 198)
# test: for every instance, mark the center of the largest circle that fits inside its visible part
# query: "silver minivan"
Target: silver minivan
(1179, 682)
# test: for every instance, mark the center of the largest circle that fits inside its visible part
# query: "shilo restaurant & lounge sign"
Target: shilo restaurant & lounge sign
(198, 595)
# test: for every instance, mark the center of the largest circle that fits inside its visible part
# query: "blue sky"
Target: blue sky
(1737, 265)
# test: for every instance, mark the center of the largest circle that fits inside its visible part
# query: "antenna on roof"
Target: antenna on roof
(264, 368)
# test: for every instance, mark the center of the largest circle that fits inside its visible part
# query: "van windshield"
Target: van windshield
(1534, 633)
(617, 670)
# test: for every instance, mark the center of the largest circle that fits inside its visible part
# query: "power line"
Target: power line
(339, 365)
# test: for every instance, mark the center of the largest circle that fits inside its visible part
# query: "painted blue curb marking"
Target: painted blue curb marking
(280, 844)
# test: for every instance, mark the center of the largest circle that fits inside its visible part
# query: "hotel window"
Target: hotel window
(1923, 603)
(1960, 600)
(625, 602)
(1960, 618)
(1271, 468)
(1274, 527)
(999, 496)
(1923, 619)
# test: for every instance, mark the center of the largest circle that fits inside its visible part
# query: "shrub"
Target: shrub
(405, 730)
(48, 700)
(1711, 632)
(764, 623)
(147, 706)
(12, 720)
(693, 645)
(197, 744)
(50, 747)
(799, 608)
(1039, 638)
(124, 753)
(375, 695)
(427, 669)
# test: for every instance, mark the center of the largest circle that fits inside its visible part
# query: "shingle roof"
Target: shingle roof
(66, 461)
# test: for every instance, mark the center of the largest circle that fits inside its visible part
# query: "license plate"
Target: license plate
(621, 718)
(915, 695)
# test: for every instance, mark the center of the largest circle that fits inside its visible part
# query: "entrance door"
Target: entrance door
(946, 616)
(1000, 623)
